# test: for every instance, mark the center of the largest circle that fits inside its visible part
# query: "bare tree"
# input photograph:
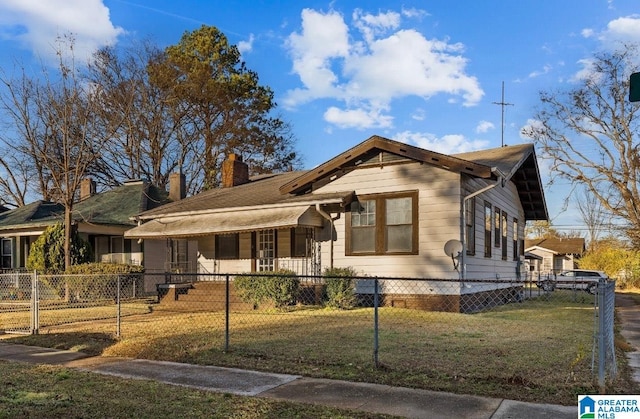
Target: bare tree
(590, 133)
(22, 172)
(57, 129)
(539, 229)
(593, 215)
(146, 145)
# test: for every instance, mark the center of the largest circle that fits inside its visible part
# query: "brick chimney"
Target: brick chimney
(234, 171)
(87, 188)
(177, 186)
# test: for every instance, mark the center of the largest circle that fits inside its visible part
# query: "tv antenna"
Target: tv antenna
(502, 104)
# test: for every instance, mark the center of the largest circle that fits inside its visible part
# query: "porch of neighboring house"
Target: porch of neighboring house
(115, 249)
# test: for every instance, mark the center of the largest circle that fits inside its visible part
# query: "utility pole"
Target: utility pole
(502, 103)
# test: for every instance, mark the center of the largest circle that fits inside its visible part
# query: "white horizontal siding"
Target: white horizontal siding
(438, 219)
(477, 266)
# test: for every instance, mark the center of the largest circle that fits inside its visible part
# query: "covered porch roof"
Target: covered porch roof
(227, 222)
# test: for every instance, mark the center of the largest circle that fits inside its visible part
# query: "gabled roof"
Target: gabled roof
(514, 163)
(518, 163)
(559, 245)
(114, 207)
(353, 157)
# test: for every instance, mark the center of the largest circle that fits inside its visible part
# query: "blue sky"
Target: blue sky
(423, 72)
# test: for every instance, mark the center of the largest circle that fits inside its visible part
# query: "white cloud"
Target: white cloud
(372, 25)
(617, 32)
(586, 70)
(357, 118)
(419, 114)
(246, 46)
(414, 13)
(368, 73)
(36, 25)
(545, 69)
(532, 126)
(587, 33)
(484, 126)
(447, 144)
(622, 29)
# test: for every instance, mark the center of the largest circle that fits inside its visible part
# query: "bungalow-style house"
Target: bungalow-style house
(100, 218)
(555, 254)
(385, 208)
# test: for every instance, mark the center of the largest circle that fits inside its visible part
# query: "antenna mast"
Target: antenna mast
(502, 104)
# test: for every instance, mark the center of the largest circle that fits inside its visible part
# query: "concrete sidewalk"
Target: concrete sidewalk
(629, 315)
(373, 398)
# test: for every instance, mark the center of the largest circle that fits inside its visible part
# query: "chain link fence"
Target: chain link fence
(427, 328)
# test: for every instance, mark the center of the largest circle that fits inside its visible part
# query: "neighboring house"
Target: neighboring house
(555, 254)
(382, 207)
(101, 219)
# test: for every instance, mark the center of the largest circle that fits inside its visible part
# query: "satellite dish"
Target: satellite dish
(453, 248)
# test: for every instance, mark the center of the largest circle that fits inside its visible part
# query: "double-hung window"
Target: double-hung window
(504, 235)
(488, 226)
(497, 236)
(516, 253)
(383, 224)
(301, 242)
(470, 225)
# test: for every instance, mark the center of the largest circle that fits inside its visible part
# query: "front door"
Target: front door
(266, 250)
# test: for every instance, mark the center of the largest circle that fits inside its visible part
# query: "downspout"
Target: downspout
(499, 182)
(331, 220)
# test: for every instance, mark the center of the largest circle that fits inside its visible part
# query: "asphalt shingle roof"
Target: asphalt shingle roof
(261, 190)
(563, 246)
(114, 207)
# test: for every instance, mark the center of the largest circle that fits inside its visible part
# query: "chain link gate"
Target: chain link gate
(18, 302)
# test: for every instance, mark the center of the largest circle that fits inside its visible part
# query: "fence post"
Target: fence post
(226, 315)
(376, 303)
(119, 311)
(601, 343)
(35, 305)
(606, 321)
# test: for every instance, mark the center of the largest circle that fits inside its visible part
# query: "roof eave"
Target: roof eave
(384, 144)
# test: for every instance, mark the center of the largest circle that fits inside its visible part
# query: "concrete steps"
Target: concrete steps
(200, 296)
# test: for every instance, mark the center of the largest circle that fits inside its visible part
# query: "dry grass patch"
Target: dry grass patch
(29, 391)
(539, 350)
